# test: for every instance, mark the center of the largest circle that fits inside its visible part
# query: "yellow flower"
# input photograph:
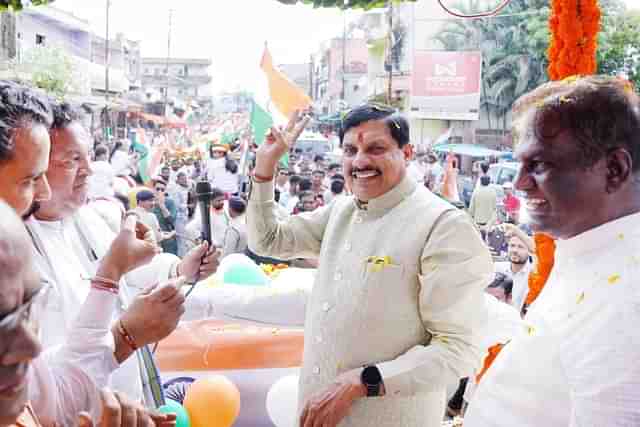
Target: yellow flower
(564, 100)
(531, 330)
(580, 298)
(621, 236)
(614, 278)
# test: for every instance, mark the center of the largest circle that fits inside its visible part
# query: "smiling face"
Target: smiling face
(372, 161)
(23, 178)
(68, 174)
(563, 197)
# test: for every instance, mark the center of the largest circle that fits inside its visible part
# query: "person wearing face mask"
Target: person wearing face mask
(391, 322)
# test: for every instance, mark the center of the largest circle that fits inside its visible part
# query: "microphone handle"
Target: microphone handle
(205, 215)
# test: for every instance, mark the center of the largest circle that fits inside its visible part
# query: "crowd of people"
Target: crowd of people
(411, 291)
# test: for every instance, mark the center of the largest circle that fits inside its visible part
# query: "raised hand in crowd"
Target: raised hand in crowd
(277, 144)
(132, 248)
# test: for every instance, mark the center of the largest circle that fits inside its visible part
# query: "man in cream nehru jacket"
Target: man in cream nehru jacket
(398, 299)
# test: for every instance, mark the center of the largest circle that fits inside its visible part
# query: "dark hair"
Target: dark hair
(276, 195)
(306, 193)
(63, 114)
(600, 112)
(337, 177)
(503, 281)
(100, 150)
(484, 167)
(485, 180)
(19, 106)
(333, 166)
(337, 186)
(231, 166)
(305, 185)
(116, 147)
(237, 204)
(318, 172)
(397, 124)
(123, 199)
(216, 193)
(294, 179)
(318, 158)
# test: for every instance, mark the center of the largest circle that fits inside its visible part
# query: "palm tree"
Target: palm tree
(513, 50)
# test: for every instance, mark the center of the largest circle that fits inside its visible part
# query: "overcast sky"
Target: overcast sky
(229, 32)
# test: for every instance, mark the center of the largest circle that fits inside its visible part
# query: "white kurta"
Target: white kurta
(418, 317)
(67, 263)
(577, 364)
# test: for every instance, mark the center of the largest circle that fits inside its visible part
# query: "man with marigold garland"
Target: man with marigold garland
(575, 362)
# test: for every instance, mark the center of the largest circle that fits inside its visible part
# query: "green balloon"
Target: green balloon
(245, 275)
(173, 407)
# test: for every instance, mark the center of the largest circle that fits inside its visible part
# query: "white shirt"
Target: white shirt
(67, 379)
(120, 163)
(577, 364)
(520, 282)
(66, 262)
(101, 181)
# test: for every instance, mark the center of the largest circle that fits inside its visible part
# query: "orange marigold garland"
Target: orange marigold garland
(574, 26)
(545, 248)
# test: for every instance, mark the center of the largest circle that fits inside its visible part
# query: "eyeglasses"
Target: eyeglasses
(27, 314)
(160, 189)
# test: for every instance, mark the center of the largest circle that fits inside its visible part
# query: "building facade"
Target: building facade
(184, 80)
(340, 73)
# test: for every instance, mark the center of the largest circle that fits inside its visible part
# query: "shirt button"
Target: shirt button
(326, 306)
(359, 220)
(347, 247)
(338, 276)
(319, 339)
(316, 370)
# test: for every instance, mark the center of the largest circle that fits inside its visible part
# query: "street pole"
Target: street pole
(107, 119)
(390, 89)
(166, 89)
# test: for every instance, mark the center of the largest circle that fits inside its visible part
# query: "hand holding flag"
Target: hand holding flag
(278, 144)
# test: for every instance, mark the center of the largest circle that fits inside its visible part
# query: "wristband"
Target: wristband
(126, 336)
(262, 179)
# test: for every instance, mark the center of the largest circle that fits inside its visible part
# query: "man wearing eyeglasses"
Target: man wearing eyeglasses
(397, 305)
(55, 382)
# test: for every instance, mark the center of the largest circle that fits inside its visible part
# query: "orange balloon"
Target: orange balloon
(212, 402)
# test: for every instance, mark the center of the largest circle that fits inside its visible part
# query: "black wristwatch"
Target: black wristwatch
(372, 380)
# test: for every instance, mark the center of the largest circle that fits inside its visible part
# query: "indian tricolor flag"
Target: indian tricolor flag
(282, 98)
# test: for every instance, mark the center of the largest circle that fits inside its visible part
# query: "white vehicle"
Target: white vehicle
(312, 144)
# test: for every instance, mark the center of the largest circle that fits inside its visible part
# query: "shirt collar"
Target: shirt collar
(599, 237)
(390, 199)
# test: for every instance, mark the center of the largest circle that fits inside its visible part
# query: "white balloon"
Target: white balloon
(282, 402)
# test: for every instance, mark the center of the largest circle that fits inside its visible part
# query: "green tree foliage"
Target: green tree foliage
(20, 4)
(514, 47)
(350, 4)
(49, 68)
(619, 45)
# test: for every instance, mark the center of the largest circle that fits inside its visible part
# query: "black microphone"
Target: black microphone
(204, 194)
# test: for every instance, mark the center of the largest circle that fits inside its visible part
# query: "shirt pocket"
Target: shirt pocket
(389, 294)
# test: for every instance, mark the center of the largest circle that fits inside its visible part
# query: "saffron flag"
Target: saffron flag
(284, 94)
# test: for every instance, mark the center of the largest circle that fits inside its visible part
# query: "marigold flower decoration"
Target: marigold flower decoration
(574, 26)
